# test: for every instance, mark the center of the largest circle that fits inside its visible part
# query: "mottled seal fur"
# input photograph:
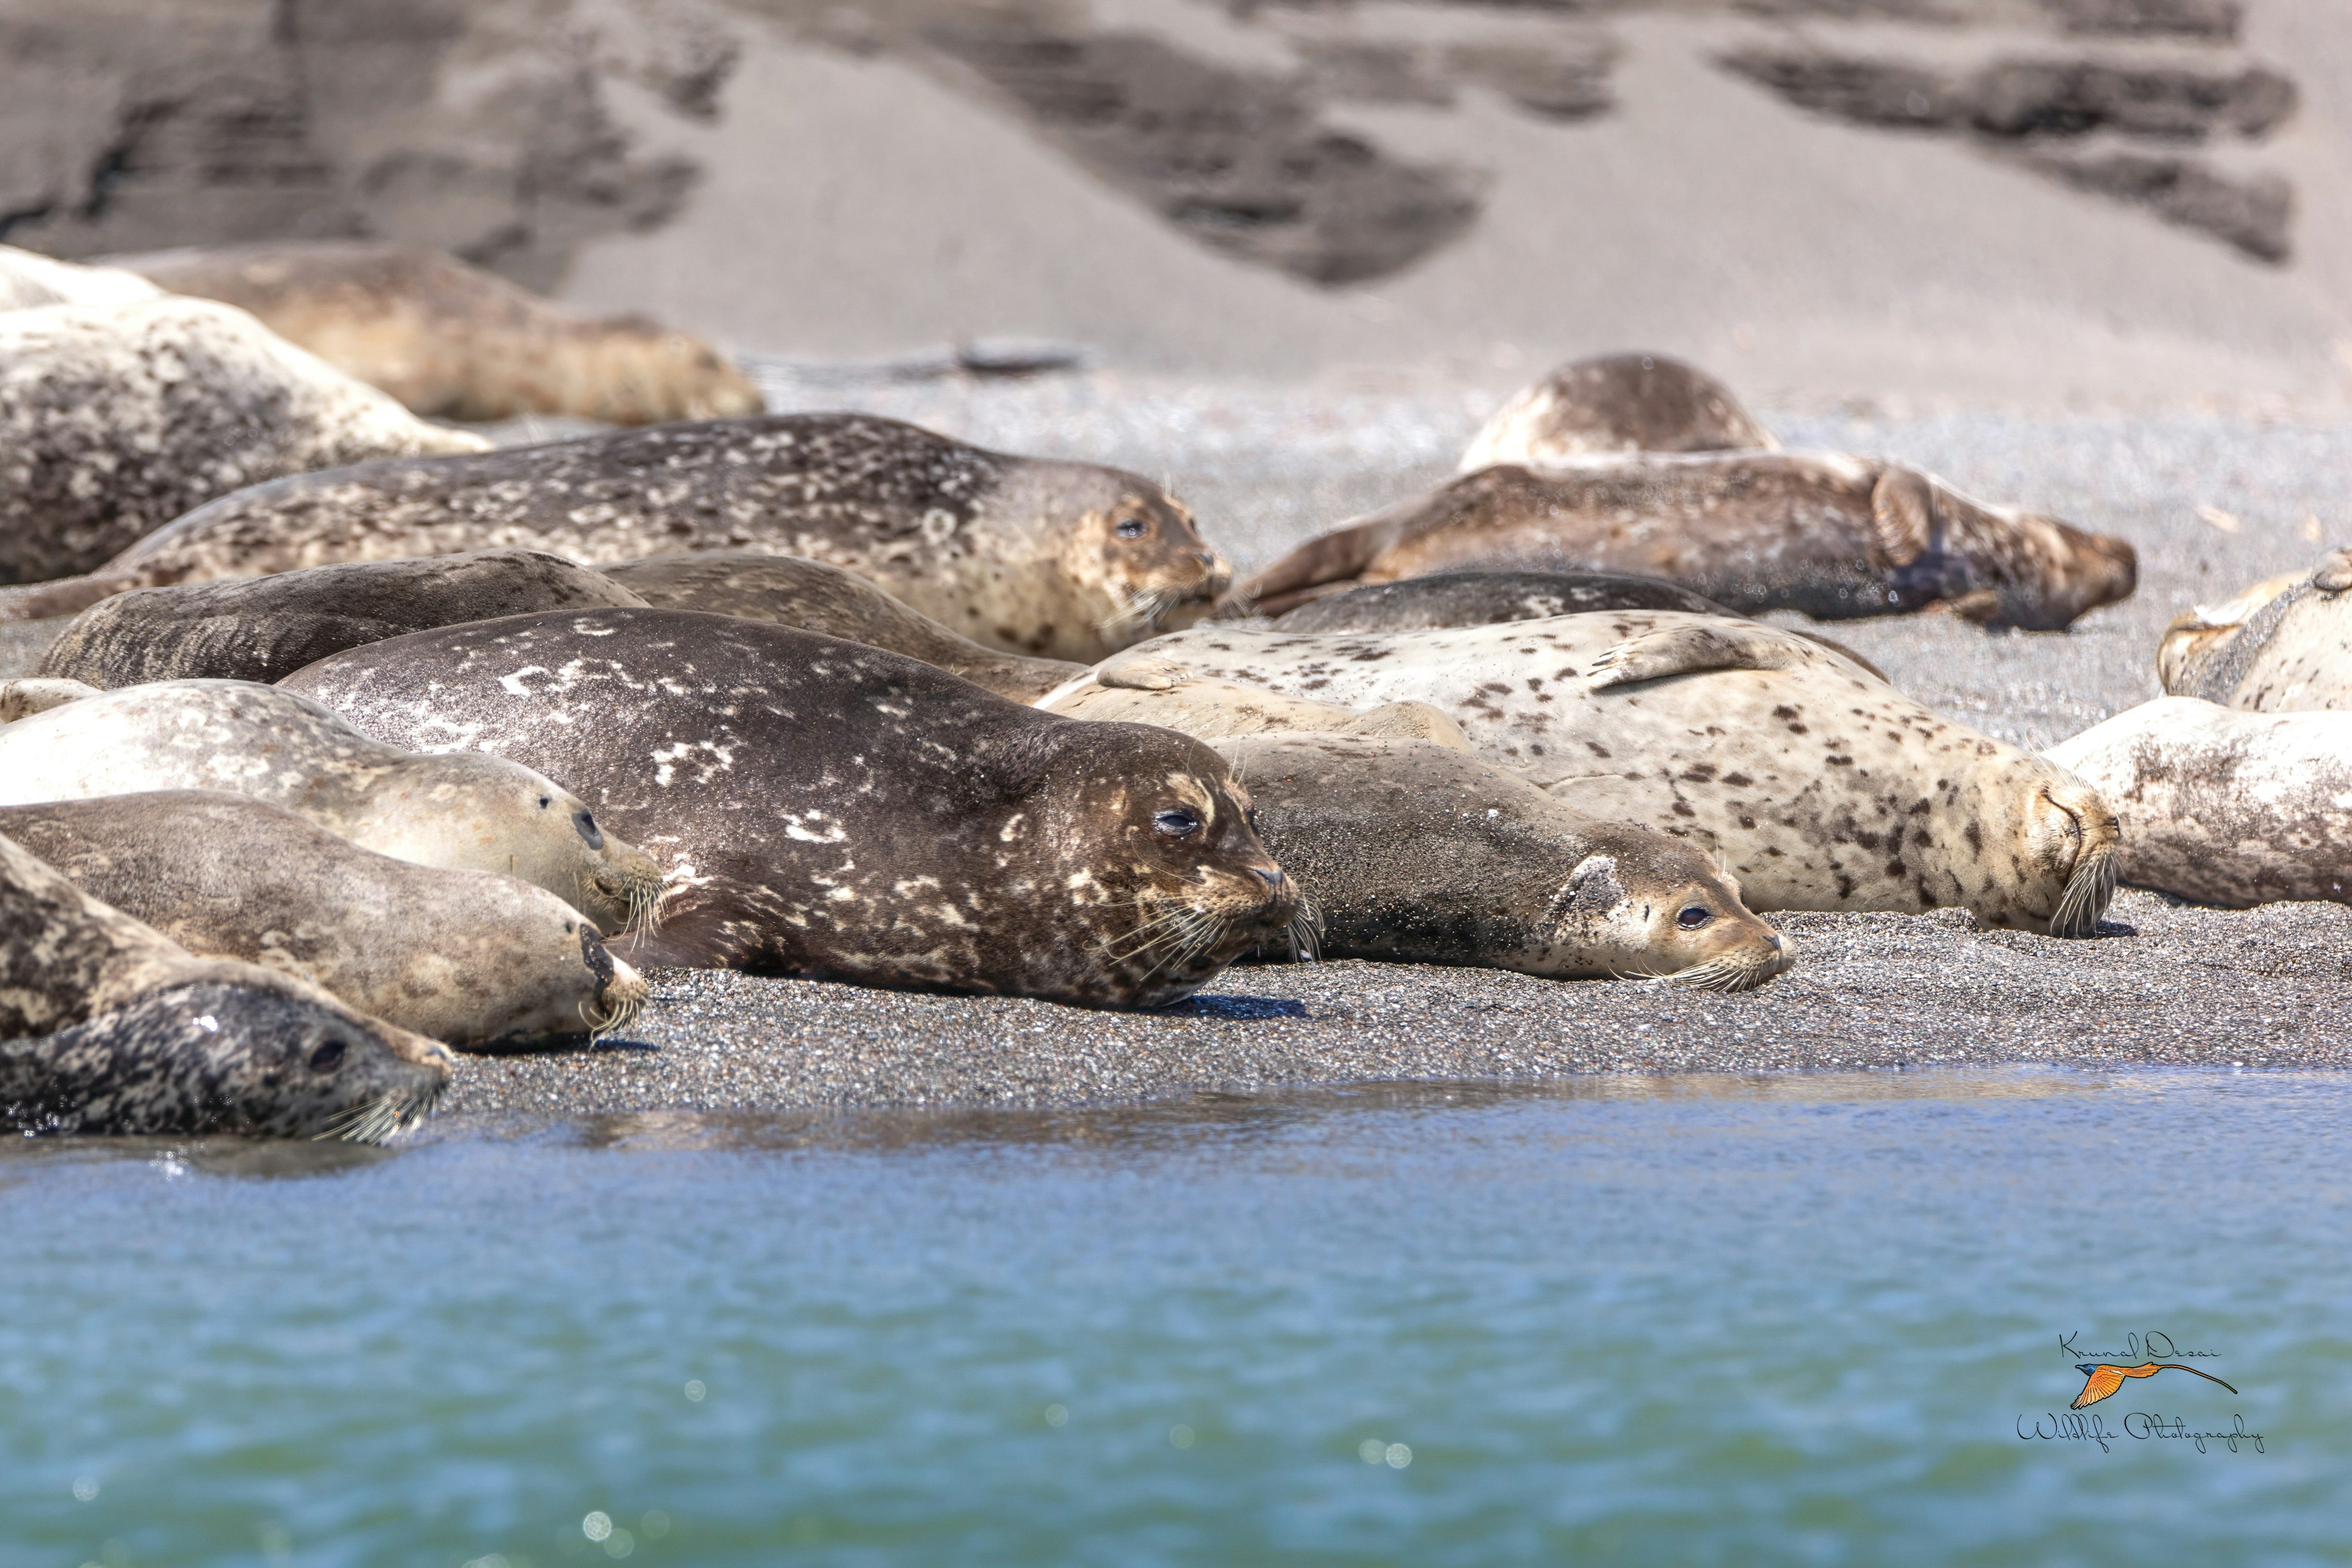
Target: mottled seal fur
(115, 419)
(263, 628)
(829, 809)
(2223, 807)
(108, 1027)
(1488, 598)
(455, 342)
(1417, 854)
(1062, 560)
(1834, 536)
(29, 281)
(790, 591)
(464, 812)
(1139, 688)
(2283, 646)
(1611, 407)
(472, 958)
(1819, 786)
(35, 694)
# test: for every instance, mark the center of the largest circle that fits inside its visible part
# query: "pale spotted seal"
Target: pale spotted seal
(472, 958)
(1613, 406)
(455, 342)
(2223, 807)
(1487, 598)
(842, 812)
(35, 694)
(1819, 786)
(29, 281)
(1138, 688)
(466, 813)
(790, 591)
(108, 1027)
(1416, 854)
(115, 419)
(1061, 560)
(2283, 646)
(1834, 536)
(261, 628)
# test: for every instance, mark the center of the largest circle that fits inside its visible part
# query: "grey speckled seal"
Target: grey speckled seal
(472, 958)
(263, 628)
(1063, 560)
(833, 810)
(107, 1027)
(466, 812)
(788, 591)
(2283, 646)
(1613, 405)
(1818, 785)
(1834, 536)
(1488, 598)
(1412, 853)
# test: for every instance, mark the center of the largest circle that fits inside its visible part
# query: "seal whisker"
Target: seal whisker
(2088, 893)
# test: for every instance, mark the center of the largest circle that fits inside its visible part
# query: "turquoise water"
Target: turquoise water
(1694, 1321)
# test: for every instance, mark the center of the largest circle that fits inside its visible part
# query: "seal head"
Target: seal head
(1613, 406)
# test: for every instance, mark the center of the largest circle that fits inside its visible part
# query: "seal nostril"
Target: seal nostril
(1270, 875)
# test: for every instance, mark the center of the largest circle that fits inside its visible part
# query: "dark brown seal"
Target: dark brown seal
(454, 341)
(107, 1027)
(1612, 406)
(260, 629)
(842, 812)
(1834, 536)
(790, 591)
(1064, 560)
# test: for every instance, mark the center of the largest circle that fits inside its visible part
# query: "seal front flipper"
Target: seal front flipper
(1697, 646)
(1142, 672)
(1901, 518)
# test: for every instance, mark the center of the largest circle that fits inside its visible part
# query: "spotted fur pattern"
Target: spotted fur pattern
(1613, 406)
(2285, 645)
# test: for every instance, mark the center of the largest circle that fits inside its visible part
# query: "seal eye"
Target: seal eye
(588, 829)
(1176, 822)
(1131, 528)
(328, 1057)
(1694, 916)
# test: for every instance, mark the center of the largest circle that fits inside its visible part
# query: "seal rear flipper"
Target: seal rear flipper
(58, 597)
(1338, 559)
(1901, 518)
(1698, 647)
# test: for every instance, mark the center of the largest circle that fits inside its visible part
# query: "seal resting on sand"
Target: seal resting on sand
(1487, 598)
(790, 591)
(842, 812)
(457, 342)
(107, 1027)
(1057, 559)
(472, 958)
(1144, 689)
(115, 419)
(1819, 786)
(464, 812)
(2221, 806)
(1612, 406)
(1415, 854)
(1834, 536)
(260, 629)
(29, 281)
(2283, 646)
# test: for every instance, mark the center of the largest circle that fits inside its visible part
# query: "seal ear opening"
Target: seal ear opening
(1901, 518)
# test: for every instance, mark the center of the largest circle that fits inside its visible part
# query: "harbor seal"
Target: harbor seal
(1146, 690)
(1819, 786)
(1487, 598)
(29, 281)
(790, 591)
(842, 812)
(261, 628)
(454, 341)
(2283, 646)
(1613, 405)
(1834, 536)
(1415, 854)
(108, 1027)
(471, 958)
(2221, 806)
(463, 813)
(115, 419)
(1057, 559)
(34, 694)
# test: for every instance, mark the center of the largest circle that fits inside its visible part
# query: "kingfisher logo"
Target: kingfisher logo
(2104, 1373)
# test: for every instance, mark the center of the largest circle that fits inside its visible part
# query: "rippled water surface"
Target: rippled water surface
(1694, 1321)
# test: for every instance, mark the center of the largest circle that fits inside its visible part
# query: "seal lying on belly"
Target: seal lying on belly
(107, 1027)
(115, 419)
(1835, 537)
(1486, 598)
(1062, 560)
(464, 812)
(844, 813)
(788, 591)
(2224, 806)
(1137, 689)
(455, 342)
(2283, 646)
(260, 629)
(472, 958)
(1819, 786)
(1415, 854)
(1613, 405)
